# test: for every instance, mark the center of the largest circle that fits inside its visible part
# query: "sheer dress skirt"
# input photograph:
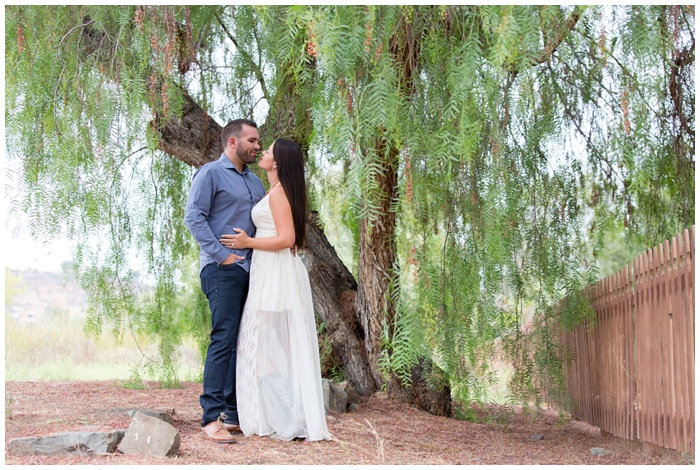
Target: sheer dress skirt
(278, 374)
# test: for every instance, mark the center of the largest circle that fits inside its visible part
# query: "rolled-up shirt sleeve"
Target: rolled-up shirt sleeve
(199, 204)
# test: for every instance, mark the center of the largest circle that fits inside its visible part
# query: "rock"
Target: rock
(341, 396)
(67, 443)
(599, 451)
(353, 396)
(326, 389)
(150, 436)
(334, 397)
(161, 415)
(536, 437)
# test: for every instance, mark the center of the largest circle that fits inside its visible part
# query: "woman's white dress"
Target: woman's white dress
(278, 373)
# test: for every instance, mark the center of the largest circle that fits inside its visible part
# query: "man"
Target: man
(221, 197)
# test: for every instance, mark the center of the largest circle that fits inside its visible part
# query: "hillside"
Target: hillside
(41, 293)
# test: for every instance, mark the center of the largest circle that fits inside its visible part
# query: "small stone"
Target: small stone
(536, 437)
(341, 397)
(599, 451)
(334, 397)
(353, 396)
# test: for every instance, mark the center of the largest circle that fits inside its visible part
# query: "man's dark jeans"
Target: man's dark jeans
(226, 288)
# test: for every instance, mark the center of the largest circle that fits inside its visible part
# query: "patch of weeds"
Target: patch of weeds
(169, 379)
(484, 413)
(329, 363)
(467, 413)
(337, 374)
(135, 381)
(191, 376)
(563, 418)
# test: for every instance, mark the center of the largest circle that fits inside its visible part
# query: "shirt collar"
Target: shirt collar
(228, 164)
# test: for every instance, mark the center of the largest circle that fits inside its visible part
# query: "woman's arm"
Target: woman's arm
(281, 215)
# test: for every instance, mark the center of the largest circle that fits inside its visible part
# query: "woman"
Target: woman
(278, 373)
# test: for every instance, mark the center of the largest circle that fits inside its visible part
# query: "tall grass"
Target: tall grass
(54, 347)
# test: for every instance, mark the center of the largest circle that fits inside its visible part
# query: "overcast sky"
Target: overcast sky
(20, 251)
(25, 253)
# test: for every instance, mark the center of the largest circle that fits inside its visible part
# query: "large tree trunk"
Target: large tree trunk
(378, 248)
(377, 256)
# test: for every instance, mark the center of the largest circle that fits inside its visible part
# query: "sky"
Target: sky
(24, 253)
(20, 251)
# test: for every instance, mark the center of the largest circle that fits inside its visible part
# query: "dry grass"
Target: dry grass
(381, 433)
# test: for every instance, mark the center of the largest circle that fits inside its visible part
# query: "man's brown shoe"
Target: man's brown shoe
(218, 433)
(233, 428)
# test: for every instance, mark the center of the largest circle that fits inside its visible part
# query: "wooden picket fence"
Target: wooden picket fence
(634, 372)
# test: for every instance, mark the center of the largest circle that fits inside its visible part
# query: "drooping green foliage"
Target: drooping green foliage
(527, 139)
(524, 138)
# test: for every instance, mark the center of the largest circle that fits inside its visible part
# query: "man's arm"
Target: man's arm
(196, 211)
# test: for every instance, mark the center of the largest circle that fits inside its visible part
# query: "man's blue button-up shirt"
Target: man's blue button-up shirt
(220, 199)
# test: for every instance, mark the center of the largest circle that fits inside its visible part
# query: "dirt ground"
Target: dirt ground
(381, 433)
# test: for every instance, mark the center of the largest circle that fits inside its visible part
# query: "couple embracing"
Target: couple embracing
(262, 373)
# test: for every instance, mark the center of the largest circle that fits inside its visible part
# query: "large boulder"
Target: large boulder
(67, 443)
(150, 436)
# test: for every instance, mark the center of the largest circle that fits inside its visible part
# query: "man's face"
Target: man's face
(247, 144)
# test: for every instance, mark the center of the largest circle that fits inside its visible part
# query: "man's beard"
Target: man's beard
(244, 156)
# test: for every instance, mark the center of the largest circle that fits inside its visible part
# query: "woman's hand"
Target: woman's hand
(238, 241)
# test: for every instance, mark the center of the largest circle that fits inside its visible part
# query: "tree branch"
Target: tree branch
(682, 59)
(554, 43)
(256, 67)
(193, 137)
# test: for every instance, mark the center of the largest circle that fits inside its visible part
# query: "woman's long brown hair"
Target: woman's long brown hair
(290, 171)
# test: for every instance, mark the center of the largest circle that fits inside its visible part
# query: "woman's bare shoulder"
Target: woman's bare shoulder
(278, 196)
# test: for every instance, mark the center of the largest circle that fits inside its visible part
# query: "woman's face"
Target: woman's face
(267, 161)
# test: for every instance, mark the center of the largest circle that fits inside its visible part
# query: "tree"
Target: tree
(480, 155)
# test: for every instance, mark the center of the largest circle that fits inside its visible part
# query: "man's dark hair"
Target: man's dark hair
(233, 129)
